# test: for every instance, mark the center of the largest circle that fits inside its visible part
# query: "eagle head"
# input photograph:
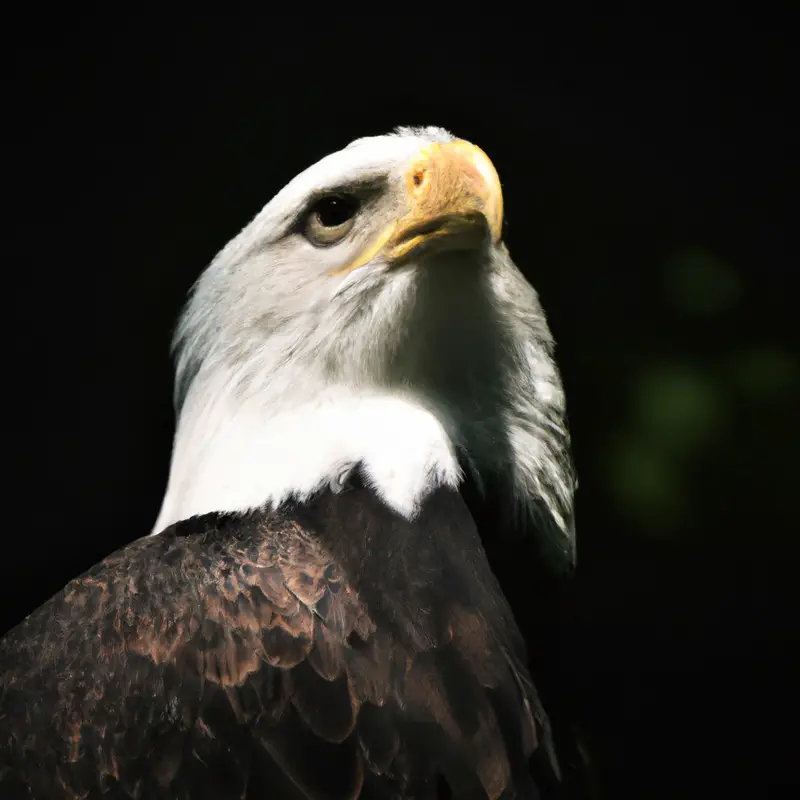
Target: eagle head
(370, 314)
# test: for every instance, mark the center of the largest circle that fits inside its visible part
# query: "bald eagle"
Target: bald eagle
(314, 615)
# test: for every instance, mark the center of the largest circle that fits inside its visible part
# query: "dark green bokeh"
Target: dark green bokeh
(682, 411)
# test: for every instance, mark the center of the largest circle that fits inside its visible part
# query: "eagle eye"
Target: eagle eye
(330, 219)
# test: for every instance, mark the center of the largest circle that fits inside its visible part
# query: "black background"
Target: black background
(647, 165)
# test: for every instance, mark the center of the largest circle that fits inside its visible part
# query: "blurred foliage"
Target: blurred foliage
(762, 374)
(680, 412)
(647, 485)
(698, 283)
(679, 408)
(676, 410)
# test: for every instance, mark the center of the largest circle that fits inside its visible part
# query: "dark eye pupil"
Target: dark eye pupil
(335, 210)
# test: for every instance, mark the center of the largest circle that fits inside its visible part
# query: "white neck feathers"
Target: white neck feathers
(236, 455)
(279, 413)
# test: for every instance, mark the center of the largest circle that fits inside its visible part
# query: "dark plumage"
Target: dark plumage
(332, 650)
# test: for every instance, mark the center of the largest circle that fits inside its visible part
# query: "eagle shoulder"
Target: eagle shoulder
(231, 657)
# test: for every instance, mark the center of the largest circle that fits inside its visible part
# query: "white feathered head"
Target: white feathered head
(371, 314)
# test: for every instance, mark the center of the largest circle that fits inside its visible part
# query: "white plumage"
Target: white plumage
(292, 368)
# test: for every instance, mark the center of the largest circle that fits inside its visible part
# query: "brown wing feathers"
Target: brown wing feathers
(233, 657)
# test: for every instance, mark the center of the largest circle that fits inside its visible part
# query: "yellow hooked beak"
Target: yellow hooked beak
(453, 196)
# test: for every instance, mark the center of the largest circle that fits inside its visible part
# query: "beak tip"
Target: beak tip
(491, 190)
